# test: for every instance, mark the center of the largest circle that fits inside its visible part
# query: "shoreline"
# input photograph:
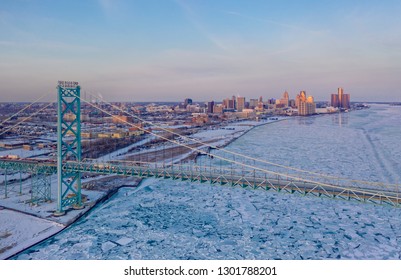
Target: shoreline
(248, 130)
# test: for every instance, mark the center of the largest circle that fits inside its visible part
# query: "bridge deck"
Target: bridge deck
(255, 178)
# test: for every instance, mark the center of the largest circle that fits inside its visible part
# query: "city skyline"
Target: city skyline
(205, 50)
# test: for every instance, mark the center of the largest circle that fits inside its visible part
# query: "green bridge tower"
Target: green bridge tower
(68, 145)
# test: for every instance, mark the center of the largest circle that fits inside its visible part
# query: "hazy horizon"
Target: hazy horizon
(144, 51)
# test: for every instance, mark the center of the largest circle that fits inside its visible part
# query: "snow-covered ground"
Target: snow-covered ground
(25, 153)
(18, 231)
(231, 131)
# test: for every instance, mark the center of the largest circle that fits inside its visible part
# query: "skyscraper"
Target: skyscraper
(307, 106)
(301, 97)
(240, 104)
(334, 100)
(234, 101)
(210, 107)
(340, 96)
(346, 101)
(340, 100)
(285, 99)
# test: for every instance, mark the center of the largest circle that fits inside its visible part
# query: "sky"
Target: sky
(169, 50)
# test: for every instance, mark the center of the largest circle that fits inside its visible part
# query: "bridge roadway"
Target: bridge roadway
(251, 178)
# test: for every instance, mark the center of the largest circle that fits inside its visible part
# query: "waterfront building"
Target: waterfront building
(340, 100)
(334, 100)
(346, 101)
(301, 97)
(340, 96)
(307, 105)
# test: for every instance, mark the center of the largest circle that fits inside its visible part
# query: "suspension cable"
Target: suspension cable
(23, 109)
(25, 119)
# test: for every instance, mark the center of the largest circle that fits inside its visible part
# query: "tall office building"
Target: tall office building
(210, 107)
(334, 100)
(346, 101)
(340, 96)
(228, 103)
(240, 104)
(341, 100)
(234, 100)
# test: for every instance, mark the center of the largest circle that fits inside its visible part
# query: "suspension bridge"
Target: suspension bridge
(226, 168)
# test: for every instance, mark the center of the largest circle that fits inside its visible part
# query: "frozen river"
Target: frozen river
(165, 219)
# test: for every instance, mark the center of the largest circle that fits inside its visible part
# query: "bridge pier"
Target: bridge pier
(41, 187)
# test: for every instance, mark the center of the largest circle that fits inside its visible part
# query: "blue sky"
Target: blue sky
(167, 50)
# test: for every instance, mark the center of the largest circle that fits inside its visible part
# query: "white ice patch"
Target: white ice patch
(124, 241)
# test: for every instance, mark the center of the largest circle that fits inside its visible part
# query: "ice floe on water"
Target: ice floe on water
(165, 219)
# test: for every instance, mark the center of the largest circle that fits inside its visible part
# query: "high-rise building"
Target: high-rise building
(346, 101)
(334, 100)
(340, 100)
(234, 102)
(240, 104)
(307, 105)
(226, 103)
(340, 96)
(301, 97)
(285, 99)
(210, 107)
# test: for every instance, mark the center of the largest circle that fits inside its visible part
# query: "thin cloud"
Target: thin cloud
(191, 16)
(277, 23)
(48, 45)
(109, 7)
